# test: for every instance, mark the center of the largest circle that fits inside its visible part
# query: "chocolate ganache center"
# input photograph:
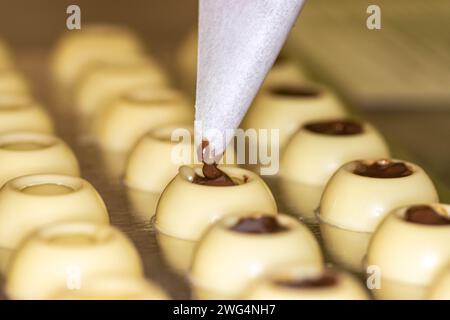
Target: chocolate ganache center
(383, 169)
(212, 176)
(424, 214)
(258, 225)
(322, 281)
(335, 127)
(296, 91)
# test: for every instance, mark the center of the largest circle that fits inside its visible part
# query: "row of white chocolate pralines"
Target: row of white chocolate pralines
(18, 109)
(42, 188)
(156, 144)
(205, 201)
(226, 262)
(77, 260)
(120, 94)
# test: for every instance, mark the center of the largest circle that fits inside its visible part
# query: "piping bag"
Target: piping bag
(239, 41)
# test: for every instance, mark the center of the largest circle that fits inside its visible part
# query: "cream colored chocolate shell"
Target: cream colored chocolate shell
(178, 253)
(67, 255)
(440, 289)
(25, 153)
(288, 113)
(345, 248)
(12, 81)
(155, 160)
(228, 262)
(30, 202)
(300, 199)
(272, 287)
(312, 158)
(77, 49)
(284, 72)
(393, 290)
(114, 287)
(359, 203)
(410, 253)
(128, 118)
(186, 209)
(105, 82)
(18, 112)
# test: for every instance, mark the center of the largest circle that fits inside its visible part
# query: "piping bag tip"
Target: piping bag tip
(238, 43)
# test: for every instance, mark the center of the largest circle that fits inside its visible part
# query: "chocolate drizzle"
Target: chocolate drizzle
(258, 225)
(212, 176)
(296, 91)
(423, 214)
(326, 279)
(383, 169)
(335, 127)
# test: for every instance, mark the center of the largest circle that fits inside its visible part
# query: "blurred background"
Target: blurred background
(398, 76)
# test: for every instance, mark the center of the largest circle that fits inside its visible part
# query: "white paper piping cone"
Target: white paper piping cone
(238, 42)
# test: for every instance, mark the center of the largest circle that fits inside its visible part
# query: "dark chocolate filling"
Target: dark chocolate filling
(258, 225)
(383, 169)
(212, 176)
(296, 92)
(324, 280)
(335, 127)
(424, 214)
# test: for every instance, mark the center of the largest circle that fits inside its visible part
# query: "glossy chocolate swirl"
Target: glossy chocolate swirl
(335, 127)
(385, 169)
(259, 225)
(423, 214)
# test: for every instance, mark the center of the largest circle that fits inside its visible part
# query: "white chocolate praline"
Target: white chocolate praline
(408, 252)
(287, 112)
(284, 72)
(78, 49)
(312, 158)
(227, 262)
(300, 199)
(359, 203)
(18, 112)
(281, 285)
(104, 82)
(186, 209)
(440, 289)
(155, 160)
(69, 254)
(345, 248)
(128, 118)
(26, 153)
(13, 81)
(114, 287)
(394, 290)
(30, 202)
(143, 203)
(178, 253)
